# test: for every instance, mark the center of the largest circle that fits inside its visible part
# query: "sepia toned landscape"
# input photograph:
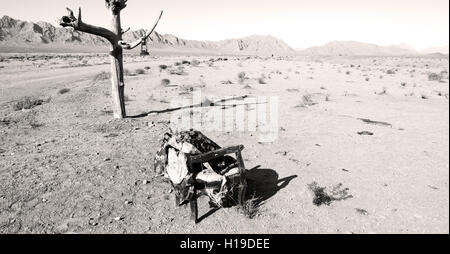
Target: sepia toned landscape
(362, 134)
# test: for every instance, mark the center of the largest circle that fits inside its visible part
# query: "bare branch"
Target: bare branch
(77, 24)
(132, 45)
(125, 31)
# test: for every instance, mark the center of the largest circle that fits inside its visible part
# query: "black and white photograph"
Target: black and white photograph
(205, 117)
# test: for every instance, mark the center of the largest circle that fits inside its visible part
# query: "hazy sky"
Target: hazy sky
(300, 23)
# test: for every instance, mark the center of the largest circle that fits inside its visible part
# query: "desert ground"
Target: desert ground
(372, 131)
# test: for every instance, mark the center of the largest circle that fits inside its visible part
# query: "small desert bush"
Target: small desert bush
(27, 103)
(242, 76)
(226, 82)
(390, 72)
(147, 68)
(63, 90)
(186, 89)
(177, 71)
(434, 77)
(307, 100)
(102, 76)
(165, 82)
(139, 71)
(186, 62)
(162, 67)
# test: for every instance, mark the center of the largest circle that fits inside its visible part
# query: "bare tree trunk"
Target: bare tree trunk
(116, 55)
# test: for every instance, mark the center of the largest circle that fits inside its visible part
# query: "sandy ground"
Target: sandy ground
(67, 167)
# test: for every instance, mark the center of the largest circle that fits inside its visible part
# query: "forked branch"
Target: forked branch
(71, 21)
(132, 45)
(116, 5)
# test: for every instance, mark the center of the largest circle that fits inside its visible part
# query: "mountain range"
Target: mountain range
(15, 32)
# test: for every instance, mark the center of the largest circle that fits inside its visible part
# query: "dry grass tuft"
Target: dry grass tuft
(27, 103)
(434, 76)
(165, 82)
(242, 76)
(250, 208)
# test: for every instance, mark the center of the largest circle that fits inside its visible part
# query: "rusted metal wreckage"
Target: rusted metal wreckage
(197, 166)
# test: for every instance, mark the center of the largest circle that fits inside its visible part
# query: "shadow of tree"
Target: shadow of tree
(209, 104)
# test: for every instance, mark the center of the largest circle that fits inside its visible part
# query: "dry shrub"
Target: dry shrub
(102, 76)
(226, 82)
(165, 82)
(390, 72)
(186, 89)
(307, 100)
(27, 103)
(250, 207)
(139, 71)
(242, 76)
(162, 67)
(63, 90)
(177, 71)
(434, 77)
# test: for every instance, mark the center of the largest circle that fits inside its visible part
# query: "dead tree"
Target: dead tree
(114, 36)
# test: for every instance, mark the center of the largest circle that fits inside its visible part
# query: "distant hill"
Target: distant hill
(443, 50)
(353, 48)
(42, 34)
